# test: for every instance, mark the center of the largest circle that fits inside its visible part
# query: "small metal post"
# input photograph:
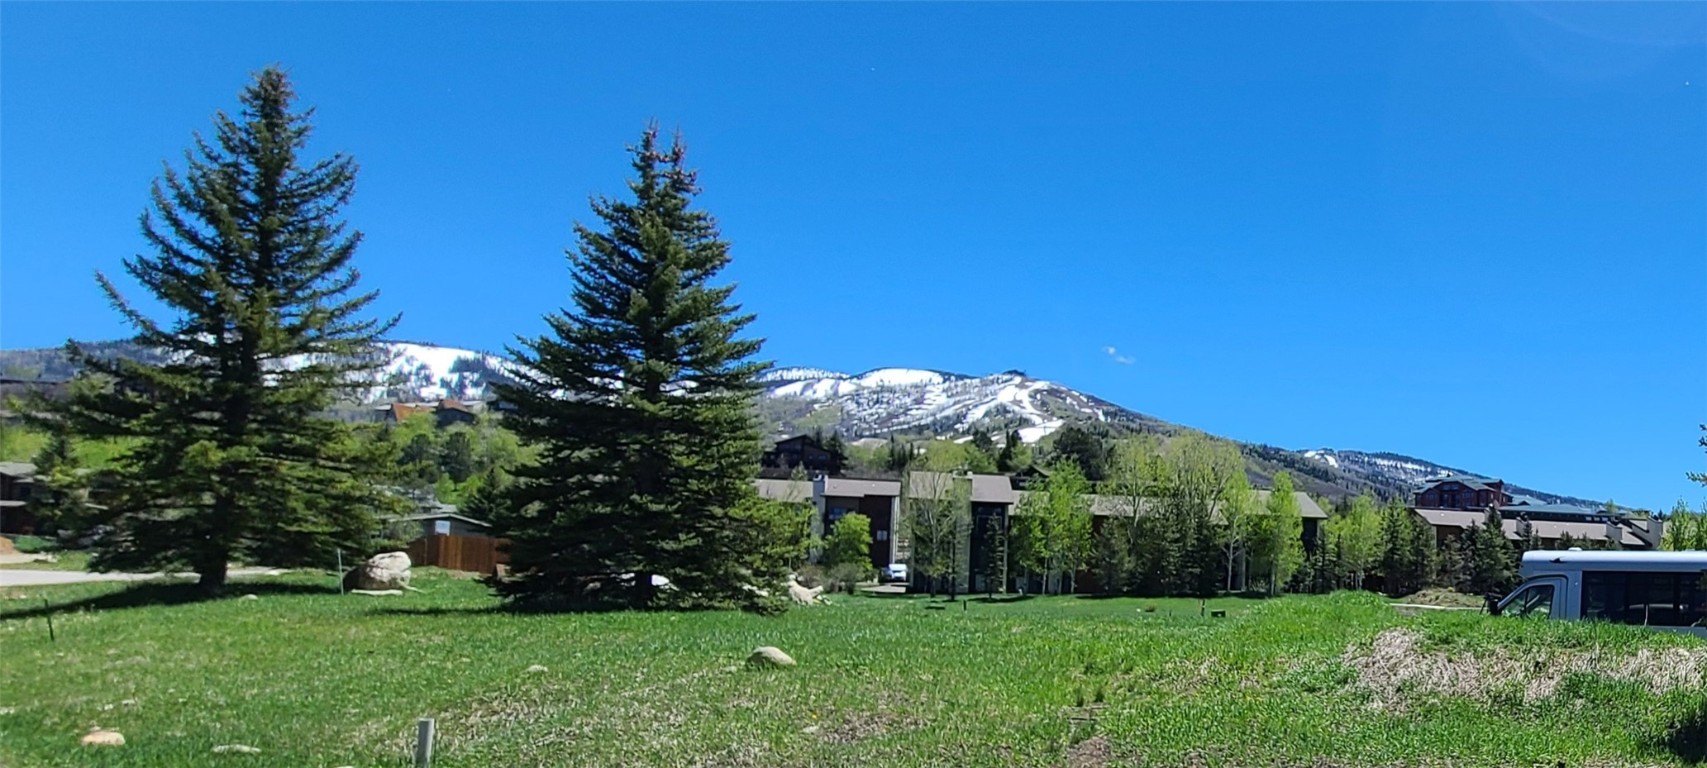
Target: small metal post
(340, 570)
(49, 609)
(424, 742)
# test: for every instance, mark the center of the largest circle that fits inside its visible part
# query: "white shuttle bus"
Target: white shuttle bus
(1663, 590)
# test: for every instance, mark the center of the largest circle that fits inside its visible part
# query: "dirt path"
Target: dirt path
(20, 577)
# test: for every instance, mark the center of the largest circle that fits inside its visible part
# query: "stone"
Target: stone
(536, 669)
(103, 738)
(770, 656)
(384, 571)
(805, 595)
(250, 596)
(237, 749)
(811, 730)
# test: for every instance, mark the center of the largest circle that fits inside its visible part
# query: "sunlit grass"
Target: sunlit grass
(315, 679)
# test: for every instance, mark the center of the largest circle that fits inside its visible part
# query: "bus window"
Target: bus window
(1535, 600)
(1603, 596)
(1656, 599)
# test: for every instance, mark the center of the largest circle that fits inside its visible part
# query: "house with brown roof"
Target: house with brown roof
(1461, 492)
(1548, 524)
(445, 412)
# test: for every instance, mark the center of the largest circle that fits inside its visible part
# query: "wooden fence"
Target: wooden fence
(477, 554)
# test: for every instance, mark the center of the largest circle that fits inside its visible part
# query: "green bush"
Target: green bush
(846, 577)
(810, 576)
(30, 545)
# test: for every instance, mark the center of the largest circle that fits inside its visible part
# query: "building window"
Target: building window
(882, 535)
(441, 527)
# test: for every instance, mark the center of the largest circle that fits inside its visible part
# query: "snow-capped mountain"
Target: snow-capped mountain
(877, 403)
(415, 372)
(907, 400)
(1395, 470)
(419, 372)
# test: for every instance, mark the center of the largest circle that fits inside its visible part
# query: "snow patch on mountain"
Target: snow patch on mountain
(907, 399)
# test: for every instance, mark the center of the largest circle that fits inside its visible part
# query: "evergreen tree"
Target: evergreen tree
(640, 399)
(838, 451)
(900, 455)
(456, 459)
(59, 499)
(231, 458)
(1078, 445)
(1491, 557)
(489, 500)
(419, 459)
(1407, 551)
(1007, 460)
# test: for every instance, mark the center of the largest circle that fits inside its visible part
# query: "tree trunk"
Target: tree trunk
(212, 581)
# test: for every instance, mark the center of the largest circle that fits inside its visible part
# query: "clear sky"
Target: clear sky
(1472, 233)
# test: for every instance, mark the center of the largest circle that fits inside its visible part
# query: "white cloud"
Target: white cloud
(1114, 354)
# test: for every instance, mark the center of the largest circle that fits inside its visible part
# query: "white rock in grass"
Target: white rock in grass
(250, 596)
(103, 738)
(384, 571)
(536, 669)
(237, 749)
(770, 656)
(8, 710)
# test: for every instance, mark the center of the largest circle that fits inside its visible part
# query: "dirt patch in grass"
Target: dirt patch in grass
(1442, 598)
(893, 713)
(1396, 670)
(1094, 752)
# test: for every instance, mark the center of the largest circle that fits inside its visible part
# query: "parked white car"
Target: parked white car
(895, 572)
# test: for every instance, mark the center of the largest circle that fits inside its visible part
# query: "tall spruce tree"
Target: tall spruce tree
(232, 458)
(640, 398)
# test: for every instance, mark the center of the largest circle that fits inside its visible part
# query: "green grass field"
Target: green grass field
(315, 679)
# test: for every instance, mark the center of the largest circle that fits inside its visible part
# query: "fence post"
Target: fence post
(424, 742)
(340, 570)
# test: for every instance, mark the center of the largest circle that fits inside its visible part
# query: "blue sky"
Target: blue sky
(1472, 233)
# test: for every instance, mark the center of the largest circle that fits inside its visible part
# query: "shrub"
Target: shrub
(846, 577)
(810, 576)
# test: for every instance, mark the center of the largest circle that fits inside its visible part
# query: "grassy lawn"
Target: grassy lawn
(314, 679)
(64, 560)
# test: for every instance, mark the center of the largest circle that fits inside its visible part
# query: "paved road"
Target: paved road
(18, 577)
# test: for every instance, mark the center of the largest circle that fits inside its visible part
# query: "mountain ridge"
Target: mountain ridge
(876, 403)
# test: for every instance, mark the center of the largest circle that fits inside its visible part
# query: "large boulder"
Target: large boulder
(386, 570)
(805, 595)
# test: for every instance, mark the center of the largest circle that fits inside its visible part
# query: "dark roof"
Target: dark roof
(19, 469)
(985, 489)
(1560, 509)
(442, 516)
(1472, 482)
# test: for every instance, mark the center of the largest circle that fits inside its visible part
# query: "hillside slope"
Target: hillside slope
(885, 401)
